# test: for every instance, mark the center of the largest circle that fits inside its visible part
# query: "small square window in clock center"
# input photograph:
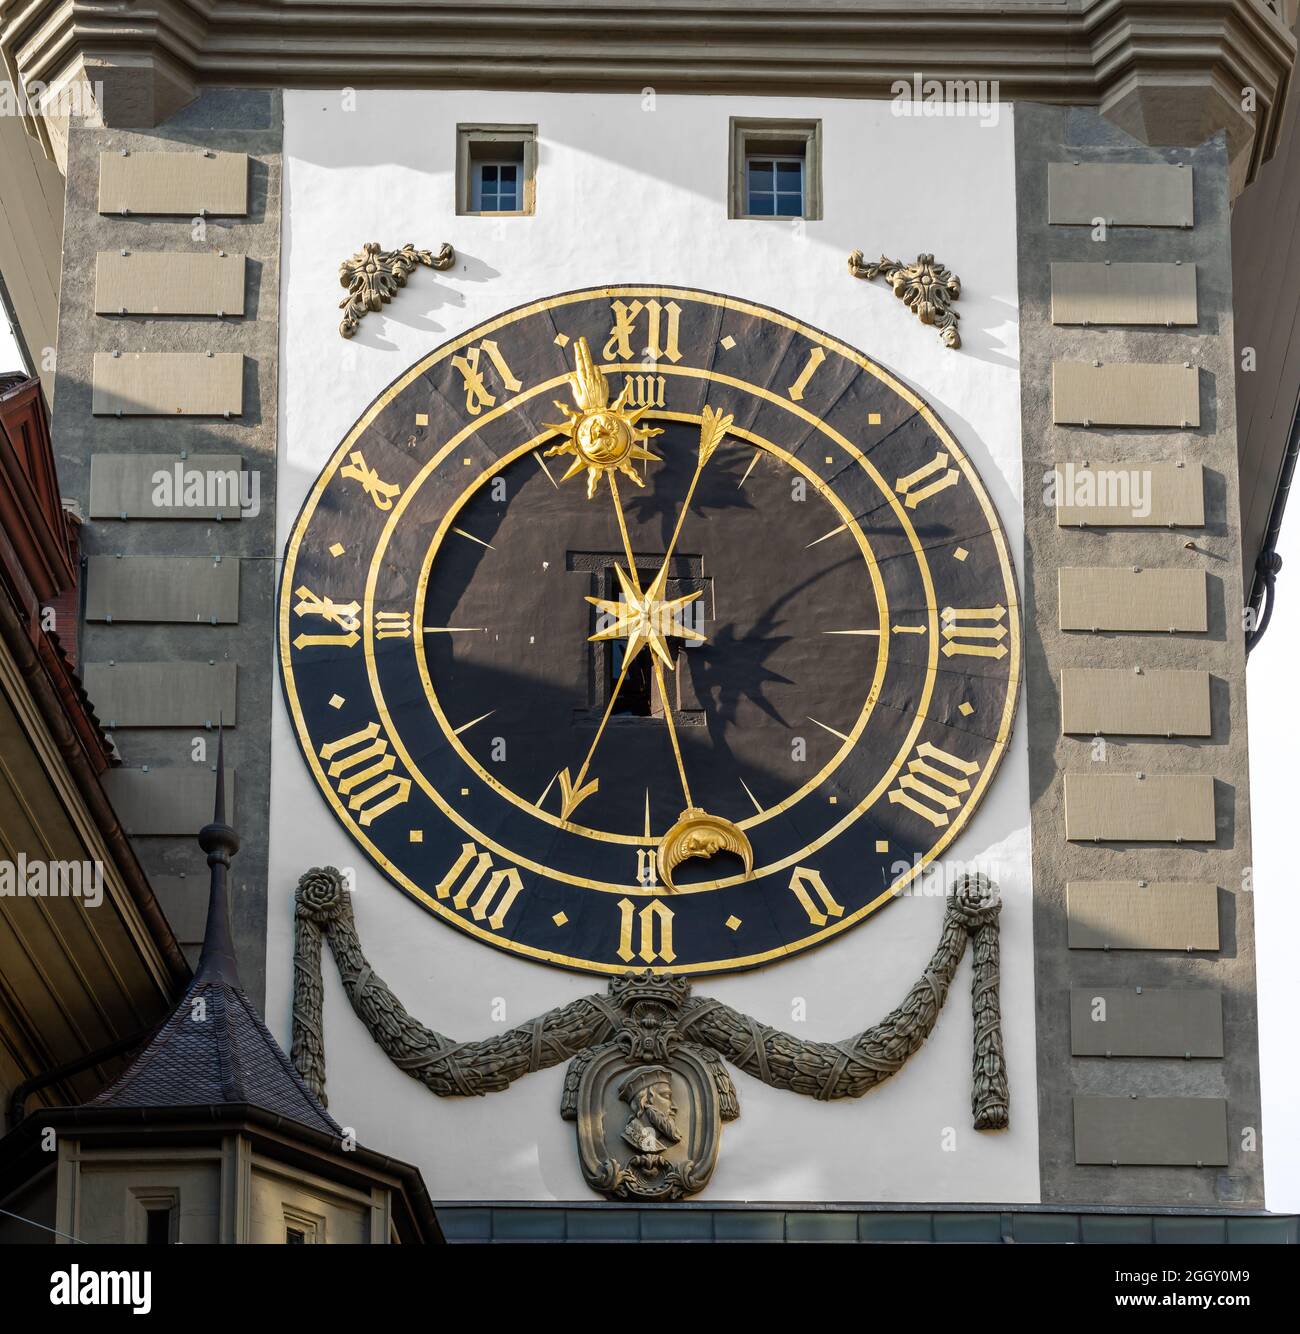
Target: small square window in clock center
(496, 170)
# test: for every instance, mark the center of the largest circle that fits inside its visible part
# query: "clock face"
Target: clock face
(645, 626)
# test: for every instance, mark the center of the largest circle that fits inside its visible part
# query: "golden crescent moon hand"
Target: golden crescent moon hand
(699, 834)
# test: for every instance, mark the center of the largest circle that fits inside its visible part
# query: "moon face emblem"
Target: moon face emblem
(699, 834)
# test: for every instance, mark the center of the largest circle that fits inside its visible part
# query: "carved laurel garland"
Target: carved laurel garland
(822, 1070)
(446, 1067)
(847, 1069)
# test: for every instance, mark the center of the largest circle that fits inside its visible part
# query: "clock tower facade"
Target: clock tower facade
(657, 637)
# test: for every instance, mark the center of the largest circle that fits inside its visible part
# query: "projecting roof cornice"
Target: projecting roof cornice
(1168, 71)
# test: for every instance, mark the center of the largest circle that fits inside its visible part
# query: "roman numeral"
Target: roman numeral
(488, 894)
(662, 333)
(646, 934)
(936, 475)
(815, 359)
(935, 784)
(342, 614)
(974, 632)
(381, 492)
(814, 896)
(392, 625)
(477, 396)
(362, 767)
(644, 391)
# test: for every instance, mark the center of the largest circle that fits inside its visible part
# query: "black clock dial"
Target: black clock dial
(756, 703)
(646, 626)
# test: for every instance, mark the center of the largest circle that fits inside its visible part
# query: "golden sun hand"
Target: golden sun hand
(602, 437)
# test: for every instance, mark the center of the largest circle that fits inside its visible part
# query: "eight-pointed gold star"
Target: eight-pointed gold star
(602, 436)
(645, 620)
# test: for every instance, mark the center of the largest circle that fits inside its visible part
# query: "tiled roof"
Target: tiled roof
(215, 1049)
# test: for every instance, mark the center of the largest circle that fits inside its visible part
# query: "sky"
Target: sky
(1270, 689)
(10, 358)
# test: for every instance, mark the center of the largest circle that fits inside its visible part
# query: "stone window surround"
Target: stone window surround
(481, 142)
(748, 135)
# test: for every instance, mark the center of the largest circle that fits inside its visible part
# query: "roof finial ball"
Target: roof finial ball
(218, 839)
(220, 842)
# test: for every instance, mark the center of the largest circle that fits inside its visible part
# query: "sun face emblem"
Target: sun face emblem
(603, 437)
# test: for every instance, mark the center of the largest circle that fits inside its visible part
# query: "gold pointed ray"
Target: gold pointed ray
(758, 454)
(541, 463)
(473, 722)
(751, 796)
(460, 532)
(825, 728)
(824, 536)
(546, 790)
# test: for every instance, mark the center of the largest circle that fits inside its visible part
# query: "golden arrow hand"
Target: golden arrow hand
(644, 619)
(571, 795)
(713, 428)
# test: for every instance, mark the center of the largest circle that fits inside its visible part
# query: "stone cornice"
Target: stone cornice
(1166, 70)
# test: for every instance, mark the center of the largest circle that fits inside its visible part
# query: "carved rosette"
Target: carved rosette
(926, 288)
(373, 276)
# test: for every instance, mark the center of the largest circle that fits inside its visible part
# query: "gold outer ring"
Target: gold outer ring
(1010, 592)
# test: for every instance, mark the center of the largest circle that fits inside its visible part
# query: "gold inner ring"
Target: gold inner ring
(639, 840)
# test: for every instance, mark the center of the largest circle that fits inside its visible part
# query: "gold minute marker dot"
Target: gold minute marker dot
(560, 918)
(732, 922)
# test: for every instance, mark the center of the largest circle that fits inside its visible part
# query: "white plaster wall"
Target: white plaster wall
(627, 193)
